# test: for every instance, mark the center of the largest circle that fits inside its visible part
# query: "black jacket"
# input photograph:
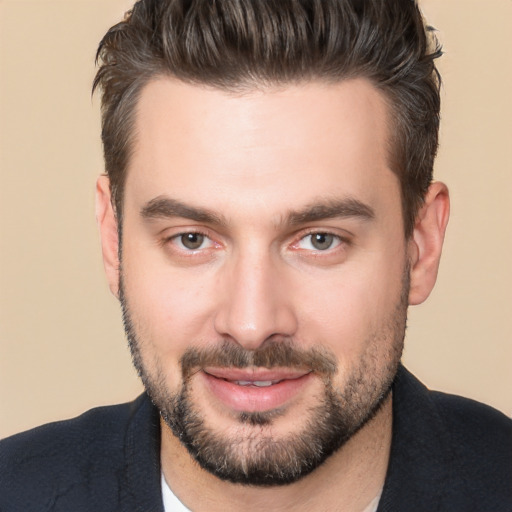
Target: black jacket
(448, 454)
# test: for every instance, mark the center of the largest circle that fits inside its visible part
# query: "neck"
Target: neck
(348, 481)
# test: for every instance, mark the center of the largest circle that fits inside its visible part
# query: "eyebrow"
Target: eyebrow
(165, 207)
(330, 209)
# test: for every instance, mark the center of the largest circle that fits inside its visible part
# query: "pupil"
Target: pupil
(192, 240)
(322, 241)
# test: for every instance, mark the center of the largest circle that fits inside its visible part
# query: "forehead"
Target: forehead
(282, 145)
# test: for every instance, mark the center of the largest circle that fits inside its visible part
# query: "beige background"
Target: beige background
(62, 348)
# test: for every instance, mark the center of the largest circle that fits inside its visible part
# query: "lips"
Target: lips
(255, 390)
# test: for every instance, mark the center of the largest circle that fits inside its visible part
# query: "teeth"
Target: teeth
(263, 383)
(258, 383)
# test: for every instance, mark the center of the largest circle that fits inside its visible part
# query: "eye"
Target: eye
(319, 242)
(192, 241)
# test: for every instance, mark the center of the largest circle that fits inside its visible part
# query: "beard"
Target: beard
(255, 455)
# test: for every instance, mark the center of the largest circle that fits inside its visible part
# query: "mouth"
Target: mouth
(255, 389)
(257, 383)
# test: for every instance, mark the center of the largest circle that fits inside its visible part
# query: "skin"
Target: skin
(253, 161)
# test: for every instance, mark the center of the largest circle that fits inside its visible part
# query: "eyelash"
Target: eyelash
(175, 238)
(337, 240)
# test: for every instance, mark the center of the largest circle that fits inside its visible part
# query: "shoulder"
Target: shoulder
(479, 445)
(448, 452)
(481, 436)
(65, 457)
(469, 417)
(99, 428)
(464, 419)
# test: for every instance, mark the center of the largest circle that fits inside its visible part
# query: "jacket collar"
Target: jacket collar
(417, 477)
(141, 489)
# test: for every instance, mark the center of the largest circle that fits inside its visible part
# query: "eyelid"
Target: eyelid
(342, 239)
(206, 242)
(185, 230)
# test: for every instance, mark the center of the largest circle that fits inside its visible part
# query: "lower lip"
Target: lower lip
(253, 398)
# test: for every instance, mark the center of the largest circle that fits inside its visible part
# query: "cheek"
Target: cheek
(337, 317)
(170, 312)
(346, 309)
(171, 308)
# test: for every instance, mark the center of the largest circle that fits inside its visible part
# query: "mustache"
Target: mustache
(275, 353)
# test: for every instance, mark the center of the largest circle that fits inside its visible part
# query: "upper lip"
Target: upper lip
(256, 374)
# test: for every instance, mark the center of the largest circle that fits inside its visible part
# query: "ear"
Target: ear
(107, 223)
(426, 242)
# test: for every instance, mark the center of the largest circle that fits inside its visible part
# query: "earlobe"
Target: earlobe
(426, 243)
(107, 223)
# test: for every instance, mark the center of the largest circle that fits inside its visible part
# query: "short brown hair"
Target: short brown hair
(238, 44)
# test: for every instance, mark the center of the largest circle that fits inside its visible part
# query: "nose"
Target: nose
(256, 302)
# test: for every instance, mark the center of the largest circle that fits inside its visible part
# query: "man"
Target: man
(267, 216)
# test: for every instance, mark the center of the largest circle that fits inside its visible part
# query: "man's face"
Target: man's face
(264, 270)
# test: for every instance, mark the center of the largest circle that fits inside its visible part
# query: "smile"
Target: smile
(257, 383)
(254, 390)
